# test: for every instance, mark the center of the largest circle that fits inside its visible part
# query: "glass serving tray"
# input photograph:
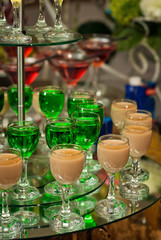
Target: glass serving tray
(42, 230)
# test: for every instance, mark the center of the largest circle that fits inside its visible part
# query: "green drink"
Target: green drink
(1, 99)
(95, 107)
(51, 100)
(78, 98)
(59, 130)
(13, 98)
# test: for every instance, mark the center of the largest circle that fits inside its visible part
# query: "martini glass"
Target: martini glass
(51, 100)
(24, 136)
(4, 106)
(141, 118)
(15, 34)
(113, 153)
(13, 97)
(66, 163)
(10, 172)
(101, 45)
(139, 139)
(72, 66)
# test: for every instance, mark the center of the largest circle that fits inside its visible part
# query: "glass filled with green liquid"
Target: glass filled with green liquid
(51, 100)
(13, 97)
(76, 98)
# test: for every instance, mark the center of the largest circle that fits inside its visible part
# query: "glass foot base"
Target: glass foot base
(83, 205)
(30, 194)
(52, 211)
(11, 229)
(38, 28)
(110, 210)
(59, 34)
(27, 218)
(127, 174)
(93, 166)
(63, 224)
(134, 193)
(16, 36)
(87, 180)
(54, 189)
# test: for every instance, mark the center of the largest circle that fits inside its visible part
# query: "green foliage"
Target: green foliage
(124, 11)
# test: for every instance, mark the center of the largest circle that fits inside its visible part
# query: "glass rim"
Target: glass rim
(142, 128)
(146, 113)
(113, 137)
(67, 146)
(79, 93)
(60, 119)
(12, 151)
(87, 113)
(19, 123)
(124, 100)
(100, 105)
(49, 87)
(16, 86)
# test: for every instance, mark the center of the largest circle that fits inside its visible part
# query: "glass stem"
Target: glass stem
(5, 211)
(58, 9)
(65, 212)
(16, 15)
(134, 179)
(23, 181)
(111, 190)
(95, 79)
(41, 11)
(2, 15)
(1, 127)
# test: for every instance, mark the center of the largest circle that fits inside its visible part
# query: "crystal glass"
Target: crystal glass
(10, 173)
(139, 139)
(51, 100)
(3, 23)
(24, 136)
(78, 97)
(118, 109)
(15, 34)
(59, 130)
(113, 153)
(4, 106)
(100, 45)
(13, 97)
(142, 118)
(66, 163)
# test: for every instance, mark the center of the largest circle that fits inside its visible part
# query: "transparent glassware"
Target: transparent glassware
(24, 136)
(113, 153)
(15, 34)
(3, 23)
(118, 109)
(66, 163)
(142, 118)
(139, 139)
(4, 107)
(10, 173)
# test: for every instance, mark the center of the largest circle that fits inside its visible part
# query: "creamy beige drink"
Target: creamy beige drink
(139, 139)
(138, 118)
(118, 110)
(10, 170)
(66, 165)
(113, 154)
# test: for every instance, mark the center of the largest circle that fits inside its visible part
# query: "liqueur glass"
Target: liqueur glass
(24, 136)
(139, 139)
(66, 163)
(10, 173)
(118, 109)
(98, 108)
(51, 100)
(15, 34)
(142, 118)
(4, 106)
(113, 153)
(13, 97)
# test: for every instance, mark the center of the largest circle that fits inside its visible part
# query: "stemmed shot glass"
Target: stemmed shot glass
(66, 163)
(4, 106)
(13, 97)
(10, 173)
(142, 118)
(24, 136)
(51, 100)
(139, 139)
(118, 109)
(113, 153)
(15, 34)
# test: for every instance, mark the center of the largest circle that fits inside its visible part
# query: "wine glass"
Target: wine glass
(98, 108)
(113, 153)
(4, 106)
(3, 23)
(78, 97)
(24, 136)
(15, 34)
(101, 45)
(32, 67)
(118, 109)
(51, 100)
(142, 118)
(72, 66)
(139, 139)
(66, 163)
(13, 97)
(10, 172)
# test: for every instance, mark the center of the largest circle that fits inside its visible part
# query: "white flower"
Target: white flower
(151, 9)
